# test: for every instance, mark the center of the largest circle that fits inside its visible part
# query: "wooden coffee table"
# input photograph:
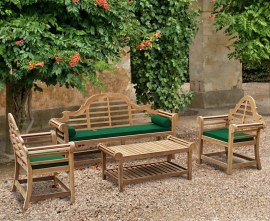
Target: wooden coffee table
(150, 171)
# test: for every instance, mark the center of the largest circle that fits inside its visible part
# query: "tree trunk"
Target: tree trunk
(16, 103)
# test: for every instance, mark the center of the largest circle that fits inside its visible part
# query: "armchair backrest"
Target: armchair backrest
(245, 111)
(17, 142)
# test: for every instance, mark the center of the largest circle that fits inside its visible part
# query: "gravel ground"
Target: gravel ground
(210, 195)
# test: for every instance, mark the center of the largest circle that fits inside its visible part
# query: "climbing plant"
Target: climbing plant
(159, 61)
(247, 23)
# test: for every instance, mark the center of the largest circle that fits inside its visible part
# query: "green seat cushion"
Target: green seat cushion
(223, 135)
(118, 131)
(161, 121)
(71, 131)
(46, 158)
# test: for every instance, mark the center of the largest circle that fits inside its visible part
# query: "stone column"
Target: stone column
(215, 80)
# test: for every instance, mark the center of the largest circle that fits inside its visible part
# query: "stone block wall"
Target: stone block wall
(215, 80)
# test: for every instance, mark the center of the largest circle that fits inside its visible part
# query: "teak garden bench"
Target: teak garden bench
(241, 127)
(111, 117)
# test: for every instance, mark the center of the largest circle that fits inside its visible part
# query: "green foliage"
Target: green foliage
(247, 22)
(63, 41)
(159, 61)
(255, 74)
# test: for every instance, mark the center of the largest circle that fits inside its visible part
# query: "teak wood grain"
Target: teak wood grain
(25, 147)
(244, 118)
(108, 110)
(130, 174)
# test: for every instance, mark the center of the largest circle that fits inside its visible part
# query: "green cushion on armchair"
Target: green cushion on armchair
(223, 135)
(46, 158)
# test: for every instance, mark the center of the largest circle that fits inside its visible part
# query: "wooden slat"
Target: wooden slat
(50, 195)
(214, 161)
(154, 171)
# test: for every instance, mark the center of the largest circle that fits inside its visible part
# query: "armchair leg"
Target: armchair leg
(71, 179)
(28, 191)
(257, 156)
(54, 179)
(16, 176)
(229, 160)
(200, 151)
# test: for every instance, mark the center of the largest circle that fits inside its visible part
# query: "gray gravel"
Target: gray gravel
(210, 195)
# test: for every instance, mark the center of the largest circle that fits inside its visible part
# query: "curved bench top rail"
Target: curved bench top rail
(107, 110)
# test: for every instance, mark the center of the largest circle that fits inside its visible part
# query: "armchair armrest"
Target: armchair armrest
(68, 147)
(246, 127)
(51, 154)
(39, 138)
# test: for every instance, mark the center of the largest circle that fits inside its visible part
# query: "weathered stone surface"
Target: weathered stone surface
(117, 80)
(215, 80)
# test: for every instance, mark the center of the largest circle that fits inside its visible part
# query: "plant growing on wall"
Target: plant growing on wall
(247, 22)
(159, 61)
(58, 42)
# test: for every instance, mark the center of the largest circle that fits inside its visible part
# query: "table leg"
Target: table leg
(103, 165)
(120, 176)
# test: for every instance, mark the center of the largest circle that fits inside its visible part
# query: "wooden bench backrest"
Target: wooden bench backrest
(107, 110)
(244, 112)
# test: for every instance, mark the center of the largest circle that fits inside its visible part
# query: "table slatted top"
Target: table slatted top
(148, 149)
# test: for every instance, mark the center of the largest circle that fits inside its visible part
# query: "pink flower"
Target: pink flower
(103, 3)
(19, 42)
(72, 63)
(106, 6)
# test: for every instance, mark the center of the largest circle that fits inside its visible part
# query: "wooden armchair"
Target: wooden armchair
(241, 127)
(38, 154)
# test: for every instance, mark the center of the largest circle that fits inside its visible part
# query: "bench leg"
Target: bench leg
(120, 176)
(103, 165)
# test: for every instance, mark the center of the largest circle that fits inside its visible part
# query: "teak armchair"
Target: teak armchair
(34, 155)
(241, 127)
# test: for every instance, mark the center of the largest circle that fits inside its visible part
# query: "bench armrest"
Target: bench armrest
(61, 128)
(57, 124)
(173, 116)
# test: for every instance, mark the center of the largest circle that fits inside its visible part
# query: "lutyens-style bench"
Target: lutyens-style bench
(111, 117)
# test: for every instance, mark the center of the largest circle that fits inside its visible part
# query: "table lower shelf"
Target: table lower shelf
(150, 171)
